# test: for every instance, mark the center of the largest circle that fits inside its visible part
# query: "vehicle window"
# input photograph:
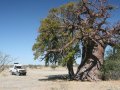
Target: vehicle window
(18, 67)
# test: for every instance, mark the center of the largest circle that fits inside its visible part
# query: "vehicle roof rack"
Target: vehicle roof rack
(16, 63)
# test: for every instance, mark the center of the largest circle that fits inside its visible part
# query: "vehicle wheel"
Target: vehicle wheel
(11, 73)
(18, 74)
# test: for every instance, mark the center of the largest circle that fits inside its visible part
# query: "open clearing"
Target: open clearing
(37, 79)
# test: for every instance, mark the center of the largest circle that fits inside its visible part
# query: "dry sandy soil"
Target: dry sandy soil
(37, 79)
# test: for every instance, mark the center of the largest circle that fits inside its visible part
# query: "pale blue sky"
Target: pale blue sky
(19, 23)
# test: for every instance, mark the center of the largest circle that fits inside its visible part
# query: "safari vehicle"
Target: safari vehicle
(17, 69)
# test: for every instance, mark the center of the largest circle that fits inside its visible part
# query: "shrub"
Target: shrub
(111, 67)
(53, 66)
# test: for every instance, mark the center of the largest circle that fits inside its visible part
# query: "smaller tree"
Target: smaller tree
(4, 60)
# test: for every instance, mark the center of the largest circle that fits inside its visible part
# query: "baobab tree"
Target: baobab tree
(77, 29)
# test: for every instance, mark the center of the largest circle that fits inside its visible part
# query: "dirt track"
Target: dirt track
(37, 79)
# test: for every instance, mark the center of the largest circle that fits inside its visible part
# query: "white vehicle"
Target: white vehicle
(17, 69)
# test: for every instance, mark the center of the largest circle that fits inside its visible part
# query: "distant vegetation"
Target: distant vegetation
(33, 66)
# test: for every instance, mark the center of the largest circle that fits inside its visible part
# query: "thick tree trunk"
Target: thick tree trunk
(70, 69)
(92, 59)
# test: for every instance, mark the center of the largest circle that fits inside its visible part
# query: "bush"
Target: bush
(111, 67)
(53, 66)
(4, 61)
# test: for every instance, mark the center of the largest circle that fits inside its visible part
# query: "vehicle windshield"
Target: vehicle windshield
(19, 67)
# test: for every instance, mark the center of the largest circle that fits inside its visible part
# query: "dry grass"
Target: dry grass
(45, 79)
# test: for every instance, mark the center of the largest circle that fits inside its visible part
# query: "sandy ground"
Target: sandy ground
(37, 79)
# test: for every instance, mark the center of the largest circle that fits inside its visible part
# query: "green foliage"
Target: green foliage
(111, 67)
(68, 57)
(53, 10)
(47, 38)
(73, 54)
(49, 24)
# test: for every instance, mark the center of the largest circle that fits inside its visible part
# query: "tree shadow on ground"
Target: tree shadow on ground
(55, 77)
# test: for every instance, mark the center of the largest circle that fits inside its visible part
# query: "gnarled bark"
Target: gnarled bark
(92, 60)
